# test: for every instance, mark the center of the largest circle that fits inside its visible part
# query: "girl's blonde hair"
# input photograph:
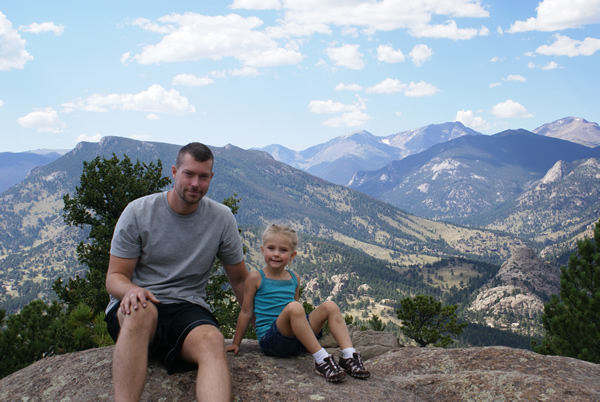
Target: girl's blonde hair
(285, 230)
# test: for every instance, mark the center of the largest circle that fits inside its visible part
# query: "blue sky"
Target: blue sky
(296, 73)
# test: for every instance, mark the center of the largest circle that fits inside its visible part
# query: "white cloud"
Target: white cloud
(309, 17)
(155, 99)
(387, 86)
(565, 46)
(245, 71)
(531, 65)
(387, 54)
(495, 84)
(550, 66)
(350, 31)
(192, 36)
(37, 28)
(125, 57)
(448, 30)
(12, 47)
(256, 4)
(44, 120)
(1, 103)
(349, 115)
(468, 118)
(556, 15)
(494, 59)
(347, 56)
(420, 54)
(329, 106)
(515, 77)
(348, 87)
(150, 26)
(392, 86)
(510, 109)
(420, 89)
(355, 118)
(191, 80)
(152, 116)
(88, 138)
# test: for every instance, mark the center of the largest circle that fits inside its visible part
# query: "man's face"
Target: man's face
(192, 179)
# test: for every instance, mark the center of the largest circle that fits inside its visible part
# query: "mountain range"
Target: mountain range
(356, 246)
(338, 159)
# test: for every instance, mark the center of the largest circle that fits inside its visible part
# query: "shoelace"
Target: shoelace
(356, 364)
(332, 367)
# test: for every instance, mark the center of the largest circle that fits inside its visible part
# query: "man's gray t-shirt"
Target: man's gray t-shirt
(175, 251)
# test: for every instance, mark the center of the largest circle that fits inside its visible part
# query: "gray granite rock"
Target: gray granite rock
(403, 374)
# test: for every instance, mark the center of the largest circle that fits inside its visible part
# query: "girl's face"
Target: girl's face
(277, 251)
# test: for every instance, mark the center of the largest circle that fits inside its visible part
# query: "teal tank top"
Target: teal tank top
(270, 299)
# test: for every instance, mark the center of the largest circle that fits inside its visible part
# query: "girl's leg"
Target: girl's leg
(330, 312)
(292, 322)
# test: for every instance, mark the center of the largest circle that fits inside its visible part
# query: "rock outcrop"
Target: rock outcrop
(520, 288)
(400, 374)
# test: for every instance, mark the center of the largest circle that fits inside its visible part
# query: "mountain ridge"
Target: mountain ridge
(468, 178)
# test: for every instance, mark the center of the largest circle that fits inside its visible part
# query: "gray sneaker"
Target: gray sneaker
(354, 366)
(330, 370)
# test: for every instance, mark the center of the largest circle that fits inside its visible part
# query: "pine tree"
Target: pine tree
(106, 187)
(427, 321)
(572, 320)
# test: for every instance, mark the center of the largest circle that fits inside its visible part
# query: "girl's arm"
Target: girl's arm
(250, 286)
(297, 296)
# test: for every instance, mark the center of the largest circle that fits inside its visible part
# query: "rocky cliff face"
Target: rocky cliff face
(515, 297)
(401, 374)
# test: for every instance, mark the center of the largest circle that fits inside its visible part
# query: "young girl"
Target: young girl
(282, 327)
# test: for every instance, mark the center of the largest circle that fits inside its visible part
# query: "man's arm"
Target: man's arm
(236, 274)
(119, 285)
(246, 313)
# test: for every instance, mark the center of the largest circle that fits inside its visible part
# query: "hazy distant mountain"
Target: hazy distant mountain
(471, 177)
(338, 159)
(574, 129)
(14, 167)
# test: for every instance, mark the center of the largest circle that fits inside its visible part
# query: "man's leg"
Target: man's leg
(205, 346)
(130, 357)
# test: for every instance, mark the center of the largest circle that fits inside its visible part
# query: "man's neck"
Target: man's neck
(179, 206)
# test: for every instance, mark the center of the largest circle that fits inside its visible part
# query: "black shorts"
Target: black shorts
(175, 322)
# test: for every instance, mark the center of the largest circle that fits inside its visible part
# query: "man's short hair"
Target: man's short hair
(199, 151)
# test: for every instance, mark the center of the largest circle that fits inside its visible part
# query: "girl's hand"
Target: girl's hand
(232, 348)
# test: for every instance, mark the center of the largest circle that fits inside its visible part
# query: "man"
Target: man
(162, 250)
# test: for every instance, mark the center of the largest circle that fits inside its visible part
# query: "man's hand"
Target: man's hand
(134, 297)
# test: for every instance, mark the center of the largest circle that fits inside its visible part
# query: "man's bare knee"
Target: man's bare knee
(201, 342)
(141, 321)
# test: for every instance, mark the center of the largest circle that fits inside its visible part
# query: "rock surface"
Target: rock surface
(401, 374)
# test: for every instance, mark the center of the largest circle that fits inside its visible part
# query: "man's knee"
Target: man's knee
(140, 321)
(201, 341)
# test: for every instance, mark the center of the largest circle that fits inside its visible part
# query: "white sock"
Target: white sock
(348, 352)
(320, 355)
